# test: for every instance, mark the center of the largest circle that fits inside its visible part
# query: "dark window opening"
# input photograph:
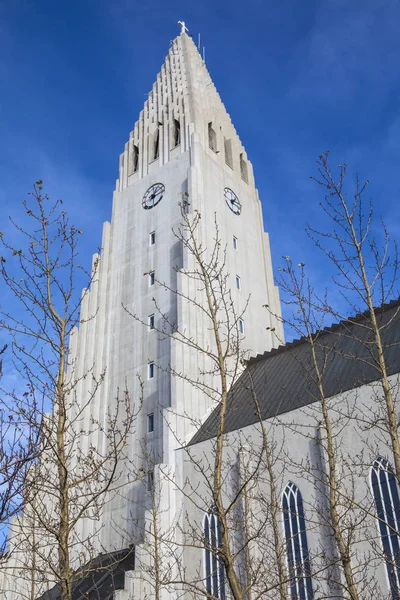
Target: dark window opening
(176, 133)
(150, 480)
(156, 144)
(212, 138)
(243, 169)
(152, 238)
(151, 370)
(152, 276)
(228, 152)
(150, 423)
(134, 159)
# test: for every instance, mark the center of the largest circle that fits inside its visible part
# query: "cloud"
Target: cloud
(347, 48)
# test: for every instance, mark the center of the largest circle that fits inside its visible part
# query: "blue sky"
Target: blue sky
(297, 78)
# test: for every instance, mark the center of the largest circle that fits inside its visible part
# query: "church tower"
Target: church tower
(183, 145)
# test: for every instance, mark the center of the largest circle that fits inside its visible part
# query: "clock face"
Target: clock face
(153, 196)
(232, 201)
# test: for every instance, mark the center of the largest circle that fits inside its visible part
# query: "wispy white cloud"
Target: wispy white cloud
(348, 46)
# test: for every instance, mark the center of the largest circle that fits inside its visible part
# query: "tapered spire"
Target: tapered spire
(182, 101)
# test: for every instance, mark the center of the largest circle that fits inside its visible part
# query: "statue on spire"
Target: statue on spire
(184, 29)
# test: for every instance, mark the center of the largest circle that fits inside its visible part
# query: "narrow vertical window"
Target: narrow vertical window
(150, 480)
(212, 138)
(228, 152)
(385, 490)
(235, 243)
(135, 159)
(214, 572)
(151, 321)
(150, 423)
(238, 282)
(150, 368)
(243, 169)
(156, 144)
(152, 238)
(152, 276)
(176, 137)
(296, 544)
(241, 325)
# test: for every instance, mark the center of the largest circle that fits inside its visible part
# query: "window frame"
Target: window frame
(150, 423)
(297, 551)
(387, 525)
(150, 370)
(151, 322)
(235, 242)
(215, 580)
(241, 326)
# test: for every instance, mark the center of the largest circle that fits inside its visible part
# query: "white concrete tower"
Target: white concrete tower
(183, 141)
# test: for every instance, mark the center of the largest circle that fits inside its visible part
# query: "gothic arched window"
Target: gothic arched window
(213, 566)
(387, 501)
(296, 544)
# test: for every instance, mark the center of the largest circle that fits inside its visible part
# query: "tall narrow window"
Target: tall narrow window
(296, 544)
(241, 326)
(176, 137)
(150, 480)
(133, 160)
(235, 243)
(212, 138)
(150, 423)
(228, 152)
(213, 566)
(152, 238)
(150, 368)
(151, 321)
(152, 277)
(238, 282)
(385, 490)
(243, 169)
(156, 144)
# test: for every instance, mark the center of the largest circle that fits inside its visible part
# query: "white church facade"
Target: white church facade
(146, 325)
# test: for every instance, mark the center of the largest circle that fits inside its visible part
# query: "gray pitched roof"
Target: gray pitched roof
(282, 379)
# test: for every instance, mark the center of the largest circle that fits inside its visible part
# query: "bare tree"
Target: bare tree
(82, 450)
(366, 274)
(366, 277)
(306, 320)
(219, 349)
(18, 448)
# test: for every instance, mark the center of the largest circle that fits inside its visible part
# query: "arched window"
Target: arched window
(387, 501)
(213, 565)
(296, 544)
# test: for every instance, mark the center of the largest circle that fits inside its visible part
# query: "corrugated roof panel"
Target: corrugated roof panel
(282, 379)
